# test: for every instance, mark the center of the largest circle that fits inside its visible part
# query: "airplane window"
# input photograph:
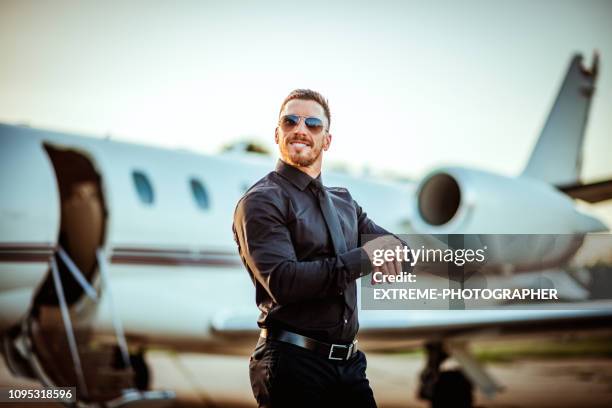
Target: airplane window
(143, 187)
(199, 194)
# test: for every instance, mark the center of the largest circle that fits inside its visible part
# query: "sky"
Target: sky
(411, 84)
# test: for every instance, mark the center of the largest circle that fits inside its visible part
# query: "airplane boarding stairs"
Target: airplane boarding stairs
(48, 348)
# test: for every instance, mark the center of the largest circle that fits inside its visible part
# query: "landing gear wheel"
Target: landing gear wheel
(452, 389)
(142, 377)
(443, 388)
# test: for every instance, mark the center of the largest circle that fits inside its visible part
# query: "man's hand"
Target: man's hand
(385, 242)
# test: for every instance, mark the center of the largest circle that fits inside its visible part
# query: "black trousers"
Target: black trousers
(284, 375)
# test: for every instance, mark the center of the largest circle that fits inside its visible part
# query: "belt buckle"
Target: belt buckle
(348, 352)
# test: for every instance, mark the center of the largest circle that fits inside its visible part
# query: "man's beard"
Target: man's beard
(300, 159)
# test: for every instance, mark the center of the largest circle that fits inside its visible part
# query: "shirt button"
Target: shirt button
(341, 293)
(345, 321)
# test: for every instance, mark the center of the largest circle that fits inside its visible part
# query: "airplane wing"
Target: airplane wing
(438, 324)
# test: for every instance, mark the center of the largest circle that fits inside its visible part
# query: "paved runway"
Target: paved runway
(213, 381)
(223, 381)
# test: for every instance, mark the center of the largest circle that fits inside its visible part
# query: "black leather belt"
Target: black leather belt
(340, 352)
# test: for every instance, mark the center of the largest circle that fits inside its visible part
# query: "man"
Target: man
(300, 244)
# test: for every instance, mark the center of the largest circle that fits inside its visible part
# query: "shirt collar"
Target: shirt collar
(297, 177)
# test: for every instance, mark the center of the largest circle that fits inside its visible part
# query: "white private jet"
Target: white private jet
(109, 248)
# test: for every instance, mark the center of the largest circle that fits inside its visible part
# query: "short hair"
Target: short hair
(308, 95)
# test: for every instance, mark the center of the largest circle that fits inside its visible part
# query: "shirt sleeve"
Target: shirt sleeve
(367, 226)
(260, 227)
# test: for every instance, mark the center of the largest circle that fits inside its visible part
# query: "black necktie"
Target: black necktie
(330, 215)
(335, 231)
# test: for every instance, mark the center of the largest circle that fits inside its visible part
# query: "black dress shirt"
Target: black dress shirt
(301, 284)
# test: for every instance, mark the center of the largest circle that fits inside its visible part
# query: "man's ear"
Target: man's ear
(276, 135)
(327, 141)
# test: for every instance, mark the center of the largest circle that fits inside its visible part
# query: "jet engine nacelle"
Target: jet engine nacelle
(462, 201)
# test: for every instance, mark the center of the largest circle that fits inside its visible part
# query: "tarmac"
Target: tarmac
(202, 380)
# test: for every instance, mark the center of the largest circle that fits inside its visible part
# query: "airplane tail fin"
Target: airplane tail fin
(557, 156)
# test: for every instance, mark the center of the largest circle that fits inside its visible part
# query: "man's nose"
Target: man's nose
(301, 127)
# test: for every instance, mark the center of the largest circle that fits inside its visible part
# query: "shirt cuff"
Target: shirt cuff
(356, 262)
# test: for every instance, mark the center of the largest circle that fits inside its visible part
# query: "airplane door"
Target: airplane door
(82, 221)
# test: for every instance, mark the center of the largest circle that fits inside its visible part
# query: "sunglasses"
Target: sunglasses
(289, 122)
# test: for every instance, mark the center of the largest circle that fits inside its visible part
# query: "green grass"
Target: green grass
(533, 348)
(544, 349)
